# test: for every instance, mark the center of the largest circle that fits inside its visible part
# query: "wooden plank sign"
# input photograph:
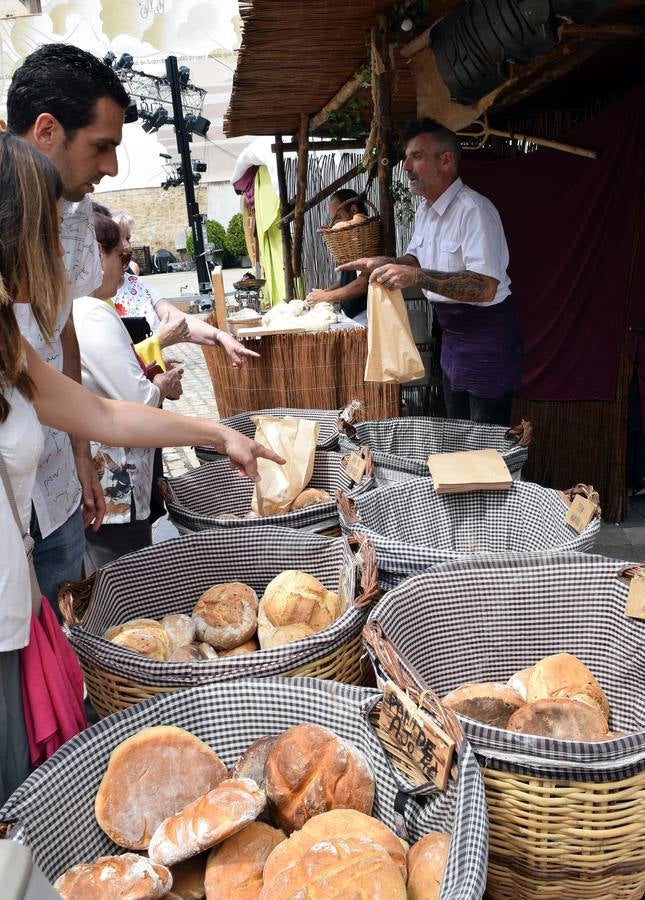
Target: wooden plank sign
(635, 606)
(355, 468)
(580, 513)
(417, 737)
(469, 470)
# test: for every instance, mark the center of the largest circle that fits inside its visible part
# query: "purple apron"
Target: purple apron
(480, 347)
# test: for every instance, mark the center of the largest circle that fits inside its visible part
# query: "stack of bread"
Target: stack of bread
(295, 314)
(292, 818)
(228, 620)
(558, 697)
(308, 497)
(356, 219)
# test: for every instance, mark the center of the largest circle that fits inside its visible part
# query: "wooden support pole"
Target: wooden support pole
(324, 193)
(286, 228)
(301, 196)
(382, 91)
(340, 98)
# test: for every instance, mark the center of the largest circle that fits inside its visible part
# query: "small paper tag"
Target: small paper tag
(580, 513)
(414, 732)
(635, 606)
(355, 468)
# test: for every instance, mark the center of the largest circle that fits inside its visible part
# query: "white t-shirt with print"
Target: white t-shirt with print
(134, 298)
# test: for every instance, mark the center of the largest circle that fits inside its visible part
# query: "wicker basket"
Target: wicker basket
(353, 241)
(567, 819)
(413, 528)
(169, 577)
(54, 808)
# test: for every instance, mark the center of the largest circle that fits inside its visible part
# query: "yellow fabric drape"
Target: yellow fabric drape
(248, 222)
(267, 213)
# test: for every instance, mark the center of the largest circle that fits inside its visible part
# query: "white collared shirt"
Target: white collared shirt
(57, 492)
(461, 230)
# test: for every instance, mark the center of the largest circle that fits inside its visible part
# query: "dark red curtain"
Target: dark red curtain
(577, 268)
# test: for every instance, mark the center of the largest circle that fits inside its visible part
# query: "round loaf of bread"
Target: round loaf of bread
(150, 776)
(248, 647)
(295, 598)
(180, 629)
(129, 876)
(519, 682)
(355, 824)
(488, 702)
(310, 770)
(333, 868)
(278, 637)
(252, 762)
(310, 497)
(132, 623)
(188, 877)
(564, 675)
(225, 616)
(207, 821)
(426, 862)
(148, 640)
(565, 720)
(235, 867)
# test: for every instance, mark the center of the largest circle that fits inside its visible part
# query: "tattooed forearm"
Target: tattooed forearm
(468, 287)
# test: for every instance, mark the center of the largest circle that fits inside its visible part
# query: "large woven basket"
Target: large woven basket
(567, 819)
(327, 437)
(404, 444)
(204, 498)
(54, 808)
(413, 528)
(169, 577)
(353, 241)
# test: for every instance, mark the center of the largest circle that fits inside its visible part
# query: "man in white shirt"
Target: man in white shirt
(69, 105)
(458, 256)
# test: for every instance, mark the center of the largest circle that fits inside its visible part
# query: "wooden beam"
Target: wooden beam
(609, 30)
(286, 228)
(382, 93)
(324, 193)
(340, 98)
(416, 45)
(326, 144)
(301, 196)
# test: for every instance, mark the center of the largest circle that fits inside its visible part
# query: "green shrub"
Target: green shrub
(235, 240)
(216, 235)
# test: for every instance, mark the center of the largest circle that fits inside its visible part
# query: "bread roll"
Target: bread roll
(130, 876)
(226, 615)
(295, 598)
(249, 647)
(234, 868)
(207, 821)
(564, 675)
(334, 868)
(355, 824)
(426, 862)
(358, 217)
(187, 653)
(188, 878)
(150, 776)
(180, 630)
(252, 762)
(488, 702)
(310, 497)
(206, 651)
(278, 637)
(310, 770)
(340, 225)
(143, 636)
(132, 623)
(519, 682)
(566, 720)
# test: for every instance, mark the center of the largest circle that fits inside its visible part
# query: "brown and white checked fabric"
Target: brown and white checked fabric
(483, 619)
(198, 500)
(413, 528)
(54, 807)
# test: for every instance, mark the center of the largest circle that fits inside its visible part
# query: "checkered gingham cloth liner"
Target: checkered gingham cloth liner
(482, 619)
(170, 577)
(214, 489)
(405, 443)
(54, 808)
(327, 437)
(413, 528)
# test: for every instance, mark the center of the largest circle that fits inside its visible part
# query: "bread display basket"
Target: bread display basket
(242, 422)
(352, 241)
(171, 576)
(214, 496)
(413, 528)
(566, 817)
(53, 810)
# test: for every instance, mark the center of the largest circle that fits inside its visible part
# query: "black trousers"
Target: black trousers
(464, 405)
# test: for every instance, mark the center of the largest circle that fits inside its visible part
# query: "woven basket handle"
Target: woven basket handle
(364, 453)
(522, 434)
(347, 506)
(392, 663)
(165, 490)
(370, 590)
(582, 490)
(349, 203)
(74, 598)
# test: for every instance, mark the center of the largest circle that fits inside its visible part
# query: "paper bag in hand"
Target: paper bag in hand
(295, 440)
(471, 470)
(391, 352)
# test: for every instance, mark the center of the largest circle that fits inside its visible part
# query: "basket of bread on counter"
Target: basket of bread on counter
(353, 238)
(255, 789)
(220, 605)
(541, 657)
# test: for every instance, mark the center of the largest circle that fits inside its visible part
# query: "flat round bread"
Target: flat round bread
(566, 720)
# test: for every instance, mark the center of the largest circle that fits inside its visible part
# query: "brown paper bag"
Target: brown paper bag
(295, 440)
(470, 470)
(391, 352)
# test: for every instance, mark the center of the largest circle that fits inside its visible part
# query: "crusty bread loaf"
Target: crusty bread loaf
(143, 636)
(130, 876)
(310, 770)
(333, 869)
(564, 675)
(131, 623)
(252, 762)
(426, 862)
(355, 824)
(207, 821)
(188, 877)
(279, 637)
(226, 615)
(519, 682)
(248, 647)
(187, 653)
(295, 598)
(150, 776)
(180, 629)
(206, 651)
(310, 497)
(234, 869)
(567, 720)
(488, 702)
